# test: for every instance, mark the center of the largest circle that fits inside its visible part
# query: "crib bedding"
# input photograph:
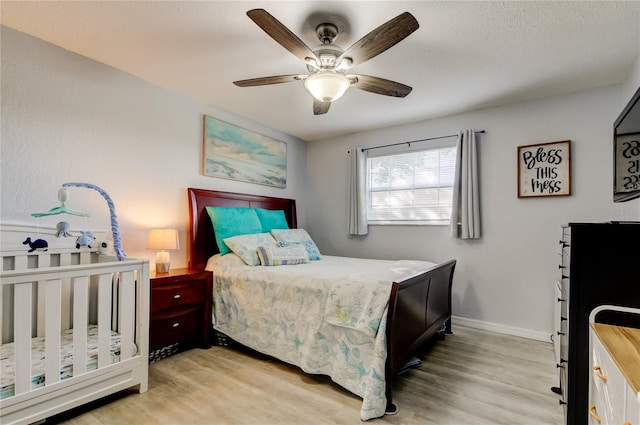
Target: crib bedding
(326, 317)
(7, 358)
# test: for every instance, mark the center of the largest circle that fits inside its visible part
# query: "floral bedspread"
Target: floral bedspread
(7, 358)
(326, 317)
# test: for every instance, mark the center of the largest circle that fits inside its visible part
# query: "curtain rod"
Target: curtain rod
(415, 141)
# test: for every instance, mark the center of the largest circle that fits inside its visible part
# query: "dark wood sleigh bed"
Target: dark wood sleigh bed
(419, 307)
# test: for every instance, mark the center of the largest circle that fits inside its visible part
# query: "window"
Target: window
(411, 187)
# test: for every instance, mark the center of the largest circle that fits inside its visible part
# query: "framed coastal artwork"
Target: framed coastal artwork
(544, 169)
(235, 153)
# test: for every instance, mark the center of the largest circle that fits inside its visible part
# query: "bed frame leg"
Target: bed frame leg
(391, 409)
(447, 327)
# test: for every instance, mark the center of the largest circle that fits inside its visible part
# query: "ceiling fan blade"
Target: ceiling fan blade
(263, 81)
(320, 107)
(276, 30)
(380, 39)
(380, 86)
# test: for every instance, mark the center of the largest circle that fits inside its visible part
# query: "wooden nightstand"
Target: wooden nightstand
(180, 311)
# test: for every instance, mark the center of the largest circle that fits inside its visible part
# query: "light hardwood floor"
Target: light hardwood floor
(472, 377)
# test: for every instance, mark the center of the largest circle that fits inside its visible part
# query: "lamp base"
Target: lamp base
(163, 261)
(162, 268)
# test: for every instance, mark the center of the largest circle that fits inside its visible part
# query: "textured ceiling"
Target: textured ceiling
(464, 56)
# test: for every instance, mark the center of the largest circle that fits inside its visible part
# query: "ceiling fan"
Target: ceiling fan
(327, 63)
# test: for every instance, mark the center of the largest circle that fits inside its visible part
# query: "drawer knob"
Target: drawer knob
(175, 325)
(597, 370)
(592, 412)
(176, 296)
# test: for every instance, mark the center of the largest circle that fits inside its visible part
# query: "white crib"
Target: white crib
(44, 295)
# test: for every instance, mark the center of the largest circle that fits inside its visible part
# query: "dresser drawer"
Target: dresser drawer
(176, 295)
(172, 328)
(608, 384)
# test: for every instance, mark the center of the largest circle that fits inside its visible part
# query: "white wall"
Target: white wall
(633, 81)
(66, 118)
(505, 278)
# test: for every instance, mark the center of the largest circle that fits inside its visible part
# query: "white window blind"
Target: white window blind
(411, 187)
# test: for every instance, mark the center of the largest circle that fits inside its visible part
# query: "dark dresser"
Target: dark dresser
(600, 265)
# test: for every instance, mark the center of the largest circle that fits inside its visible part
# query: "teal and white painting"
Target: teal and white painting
(232, 152)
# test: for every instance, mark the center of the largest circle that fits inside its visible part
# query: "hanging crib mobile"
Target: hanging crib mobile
(85, 239)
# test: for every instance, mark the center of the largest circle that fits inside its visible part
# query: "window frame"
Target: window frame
(404, 149)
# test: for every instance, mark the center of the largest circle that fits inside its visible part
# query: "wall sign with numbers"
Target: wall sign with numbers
(544, 169)
(627, 161)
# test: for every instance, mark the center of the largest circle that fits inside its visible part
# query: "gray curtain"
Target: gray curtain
(465, 211)
(357, 192)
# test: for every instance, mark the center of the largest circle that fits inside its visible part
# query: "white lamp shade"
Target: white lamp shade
(163, 239)
(327, 86)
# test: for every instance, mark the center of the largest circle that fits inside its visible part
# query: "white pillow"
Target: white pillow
(246, 246)
(289, 237)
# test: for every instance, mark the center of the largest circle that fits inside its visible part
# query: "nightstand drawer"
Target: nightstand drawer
(169, 329)
(181, 294)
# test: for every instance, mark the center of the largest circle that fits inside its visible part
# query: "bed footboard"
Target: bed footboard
(418, 307)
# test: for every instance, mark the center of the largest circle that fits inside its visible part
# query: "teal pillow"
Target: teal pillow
(229, 222)
(272, 219)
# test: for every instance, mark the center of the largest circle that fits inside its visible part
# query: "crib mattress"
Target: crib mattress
(7, 358)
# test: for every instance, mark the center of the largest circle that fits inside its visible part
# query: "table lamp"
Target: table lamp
(163, 239)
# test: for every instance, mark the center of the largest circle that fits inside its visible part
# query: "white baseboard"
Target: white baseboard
(503, 329)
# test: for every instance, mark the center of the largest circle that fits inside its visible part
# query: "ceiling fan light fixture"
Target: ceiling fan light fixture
(327, 86)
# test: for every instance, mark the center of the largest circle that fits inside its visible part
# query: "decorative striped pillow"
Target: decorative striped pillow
(283, 256)
(245, 246)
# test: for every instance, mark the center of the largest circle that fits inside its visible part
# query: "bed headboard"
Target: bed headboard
(202, 243)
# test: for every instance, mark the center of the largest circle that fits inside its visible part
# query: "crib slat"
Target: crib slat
(104, 319)
(42, 302)
(85, 257)
(44, 260)
(22, 336)
(20, 262)
(80, 311)
(65, 318)
(52, 331)
(126, 318)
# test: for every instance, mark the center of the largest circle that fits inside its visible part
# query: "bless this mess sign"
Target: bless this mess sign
(544, 169)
